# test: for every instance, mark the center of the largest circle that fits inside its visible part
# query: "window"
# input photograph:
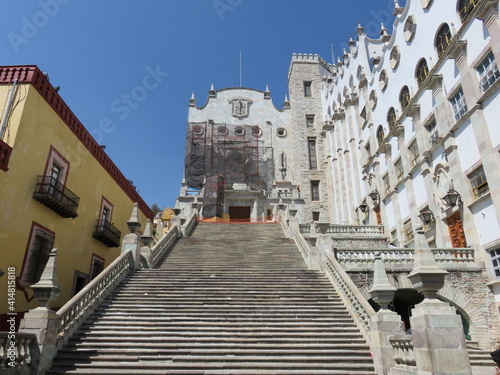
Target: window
(478, 182)
(443, 39)
(391, 117)
(315, 216)
(408, 231)
(394, 57)
(307, 89)
(281, 132)
(383, 80)
(310, 121)
(404, 97)
(398, 168)
(311, 145)
(372, 100)
(96, 266)
(409, 28)
(413, 148)
(256, 131)
(79, 282)
(495, 261)
(315, 190)
(422, 71)
(431, 127)
(380, 135)
(488, 71)
(387, 184)
(222, 130)
(458, 103)
(465, 7)
(239, 130)
(39, 247)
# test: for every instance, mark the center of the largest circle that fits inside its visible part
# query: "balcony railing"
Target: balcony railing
(5, 151)
(107, 233)
(56, 196)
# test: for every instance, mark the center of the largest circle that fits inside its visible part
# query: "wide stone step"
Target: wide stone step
(208, 365)
(148, 371)
(80, 358)
(100, 324)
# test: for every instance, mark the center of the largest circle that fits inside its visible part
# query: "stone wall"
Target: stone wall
(465, 290)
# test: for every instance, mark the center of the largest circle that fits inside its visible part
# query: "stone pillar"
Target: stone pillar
(385, 322)
(132, 240)
(43, 321)
(146, 239)
(438, 336)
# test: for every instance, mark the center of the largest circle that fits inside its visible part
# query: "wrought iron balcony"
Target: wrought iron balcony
(56, 196)
(107, 233)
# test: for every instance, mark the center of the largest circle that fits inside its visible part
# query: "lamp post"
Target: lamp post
(375, 196)
(363, 207)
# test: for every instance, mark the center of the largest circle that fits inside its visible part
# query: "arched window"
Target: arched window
(422, 71)
(380, 135)
(391, 117)
(465, 7)
(404, 97)
(443, 38)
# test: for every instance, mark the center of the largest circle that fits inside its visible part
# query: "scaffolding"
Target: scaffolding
(229, 154)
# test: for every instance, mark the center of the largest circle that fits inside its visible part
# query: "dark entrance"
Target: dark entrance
(239, 213)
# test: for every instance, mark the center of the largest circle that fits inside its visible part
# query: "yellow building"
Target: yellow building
(58, 189)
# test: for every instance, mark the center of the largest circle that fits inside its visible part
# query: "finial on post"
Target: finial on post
(133, 223)
(382, 291)
(47, 289)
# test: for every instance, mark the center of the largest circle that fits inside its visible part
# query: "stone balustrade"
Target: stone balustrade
(360, 309)
(402, 257)
(404, 355)
(78, 308)
(19, 352)
(165, 243)
(345, 230)
(194, 193)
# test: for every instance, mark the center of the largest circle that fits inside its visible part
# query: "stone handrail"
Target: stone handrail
(191, 223)
(353, 258)
(353, 230)
(404, 356)
(78, 308)
(165, 243)
(301, 242)
(360, 309)
(19, 352)
(347, 230)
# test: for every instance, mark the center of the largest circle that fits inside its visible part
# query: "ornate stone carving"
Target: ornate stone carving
(240, 107)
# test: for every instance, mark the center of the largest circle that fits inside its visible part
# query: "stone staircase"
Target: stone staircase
(230, 299)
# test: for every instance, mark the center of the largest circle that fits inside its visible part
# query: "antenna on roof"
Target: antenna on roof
(333, 58)
(241, 72)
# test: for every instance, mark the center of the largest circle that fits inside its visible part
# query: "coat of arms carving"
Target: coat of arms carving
(240, 107)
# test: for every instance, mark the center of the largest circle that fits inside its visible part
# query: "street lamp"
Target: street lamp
(452, 198)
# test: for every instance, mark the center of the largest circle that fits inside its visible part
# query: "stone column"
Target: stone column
(385, 322)
(146, 239)
(132, 240)
(438, 335)
(43, 321)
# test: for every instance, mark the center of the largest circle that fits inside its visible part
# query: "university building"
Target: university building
(400, 133)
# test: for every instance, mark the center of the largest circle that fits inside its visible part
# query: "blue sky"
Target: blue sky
(101, 53)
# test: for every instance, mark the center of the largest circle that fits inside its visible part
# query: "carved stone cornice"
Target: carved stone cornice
(459, 51)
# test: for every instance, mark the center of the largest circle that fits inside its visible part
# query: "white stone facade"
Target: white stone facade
(413, 117)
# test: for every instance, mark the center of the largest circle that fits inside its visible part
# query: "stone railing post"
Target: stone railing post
(146, 239)
(437, 331)
(43, 321)
(385, 323)
(324, 246)
(132, 241)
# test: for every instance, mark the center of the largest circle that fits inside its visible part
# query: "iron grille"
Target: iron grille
(53, 194)
(107, 233)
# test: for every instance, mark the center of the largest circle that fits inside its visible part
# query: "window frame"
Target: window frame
(458, 103)
(495, 258)
(399, 169)
(443, 34)
(310, 121)
(391, 118)
(404, 97)
(422, 71)
(486, 72)
(308, 89)
(37, 232)
(312, 153)
(465, 8)
(481, 188)
(93, 266)
(315, 192)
